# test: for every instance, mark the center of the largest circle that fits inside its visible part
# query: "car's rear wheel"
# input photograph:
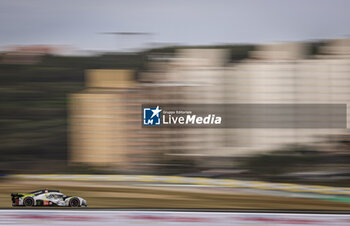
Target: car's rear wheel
(74, 202)
(28, 201)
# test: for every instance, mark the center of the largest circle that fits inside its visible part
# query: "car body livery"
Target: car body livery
(46, 198)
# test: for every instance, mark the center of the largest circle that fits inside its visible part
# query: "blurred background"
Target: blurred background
(73, 77)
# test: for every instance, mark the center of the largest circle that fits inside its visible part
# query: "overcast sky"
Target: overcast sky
(80, 22)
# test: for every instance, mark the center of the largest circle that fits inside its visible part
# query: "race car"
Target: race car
(46, 197)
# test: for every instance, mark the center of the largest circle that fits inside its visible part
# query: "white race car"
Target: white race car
(46, 197)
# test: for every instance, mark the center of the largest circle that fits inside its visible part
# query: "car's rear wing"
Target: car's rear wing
(15, 196)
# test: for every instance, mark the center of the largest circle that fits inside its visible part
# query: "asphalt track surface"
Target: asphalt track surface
(152, 217)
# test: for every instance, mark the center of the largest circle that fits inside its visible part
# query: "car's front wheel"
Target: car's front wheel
(28, 201)
(74, 202)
